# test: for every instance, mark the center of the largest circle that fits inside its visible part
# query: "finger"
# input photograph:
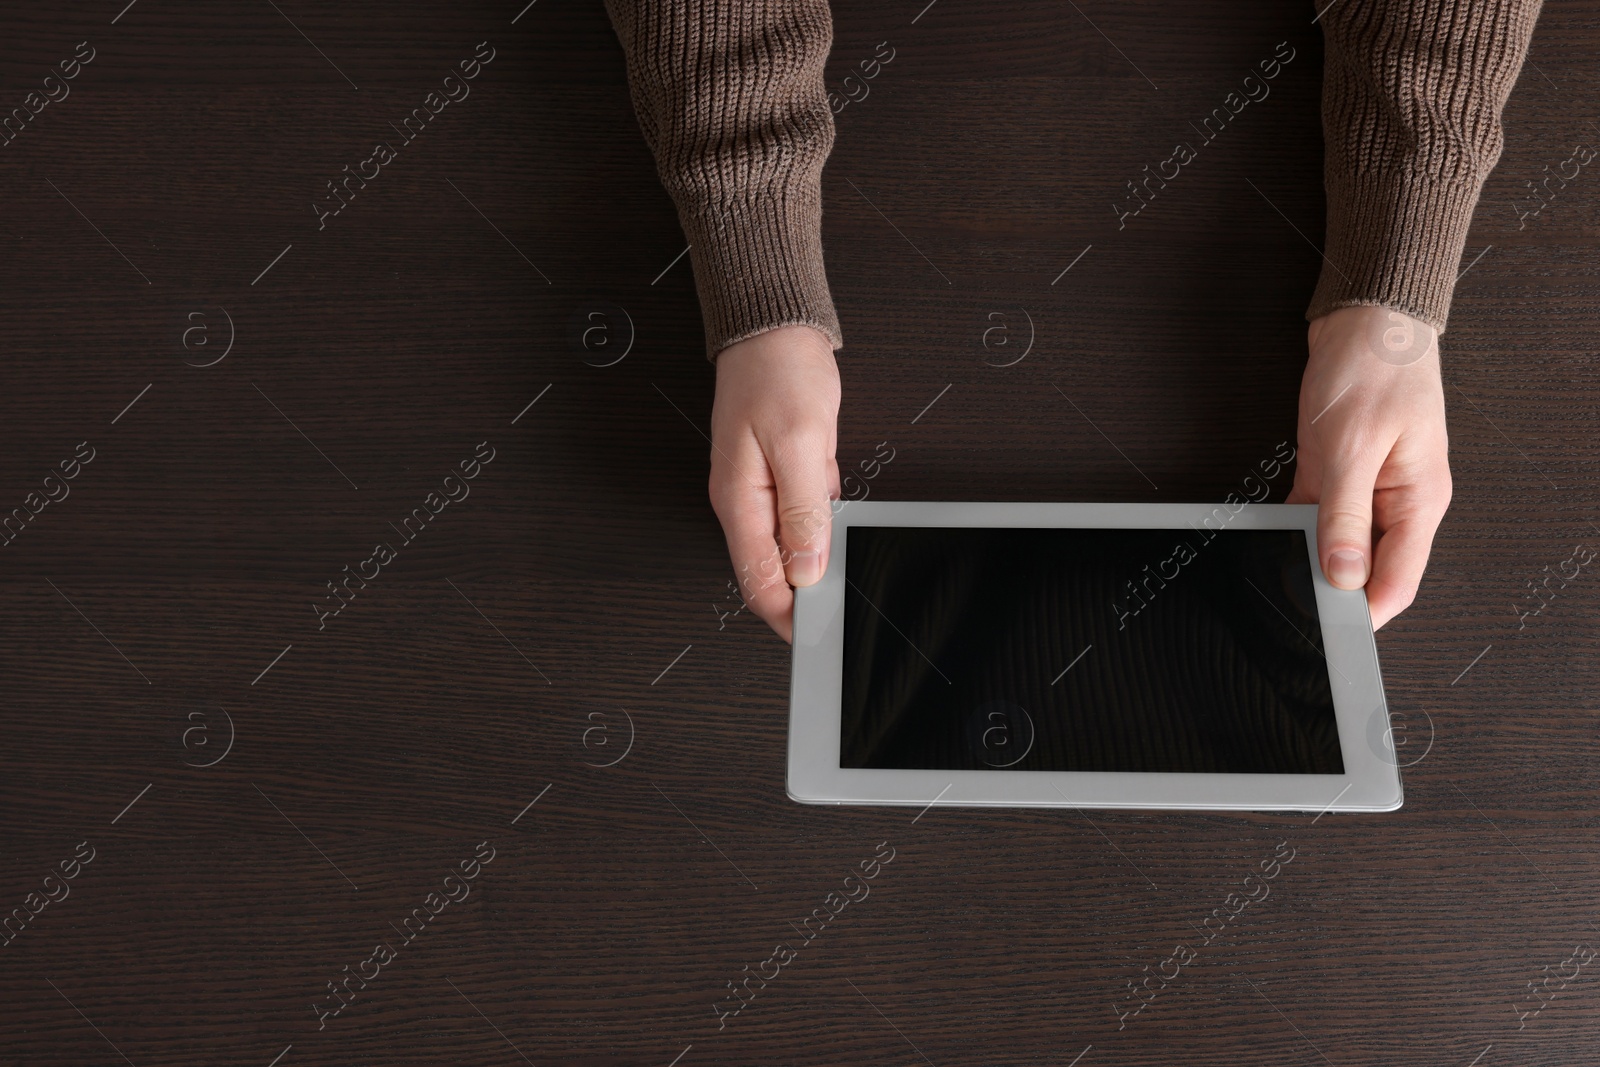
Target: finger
(800, 468)
(1401, 557)
(1344, 517)
(1304, 487)
(1307, 482)
(762, 584)
(745, 503)
(1408, 516)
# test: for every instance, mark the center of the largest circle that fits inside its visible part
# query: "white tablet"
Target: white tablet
(1086, 655)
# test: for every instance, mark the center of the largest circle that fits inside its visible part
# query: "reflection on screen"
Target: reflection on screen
(1084, 650)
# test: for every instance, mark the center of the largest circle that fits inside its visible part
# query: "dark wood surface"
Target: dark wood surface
(583, 583)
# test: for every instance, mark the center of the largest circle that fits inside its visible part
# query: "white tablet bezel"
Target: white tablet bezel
(1371, 781)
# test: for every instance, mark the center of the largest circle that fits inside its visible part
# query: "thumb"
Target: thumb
(805, 513)
(1344, 520)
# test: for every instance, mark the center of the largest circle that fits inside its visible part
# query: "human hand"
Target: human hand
(1373, 451)
(774, 427)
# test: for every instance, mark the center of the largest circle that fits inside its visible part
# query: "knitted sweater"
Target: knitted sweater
(730, 96)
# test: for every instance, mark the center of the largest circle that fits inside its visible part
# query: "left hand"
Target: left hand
(1373, 451)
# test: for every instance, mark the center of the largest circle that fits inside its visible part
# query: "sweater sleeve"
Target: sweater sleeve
(730, 97)
(1411, 101)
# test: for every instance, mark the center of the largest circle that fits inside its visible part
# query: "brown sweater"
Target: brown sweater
(730, 97)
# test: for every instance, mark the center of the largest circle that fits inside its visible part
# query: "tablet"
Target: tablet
(1086, 655)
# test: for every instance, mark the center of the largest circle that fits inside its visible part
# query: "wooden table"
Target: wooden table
(548, 673)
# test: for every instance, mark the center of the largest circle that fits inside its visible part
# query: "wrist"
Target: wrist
(798, 340)
(1375, 332)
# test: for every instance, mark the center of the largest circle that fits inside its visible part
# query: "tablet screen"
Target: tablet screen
(1182, 650)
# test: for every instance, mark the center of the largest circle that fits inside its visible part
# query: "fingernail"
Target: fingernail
(805, 567)
(1347, 569)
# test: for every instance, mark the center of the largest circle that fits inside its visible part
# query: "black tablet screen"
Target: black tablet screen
(1084, 650)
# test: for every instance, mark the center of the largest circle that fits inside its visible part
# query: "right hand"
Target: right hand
(1374, 451)
(774, 428)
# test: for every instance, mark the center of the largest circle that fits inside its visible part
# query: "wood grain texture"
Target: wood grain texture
(491, 663)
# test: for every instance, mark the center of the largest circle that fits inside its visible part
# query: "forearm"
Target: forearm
(1412, 96)
(730, 98)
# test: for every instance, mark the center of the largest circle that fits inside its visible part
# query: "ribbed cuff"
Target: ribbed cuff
(758, 266)
(1394, 240)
